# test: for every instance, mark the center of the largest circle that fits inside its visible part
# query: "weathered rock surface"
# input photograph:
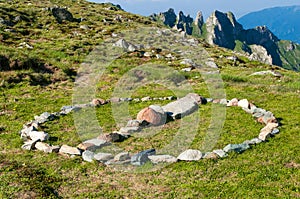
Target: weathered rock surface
(122, 157)
(181, 107)
(238, 148)
(190, 155)
(69, 150)
(103, 157)
(38, 135)
(88, 156)
(155, 115)
(142, 157)
(220, 153)
(162, 159)
(62, 14)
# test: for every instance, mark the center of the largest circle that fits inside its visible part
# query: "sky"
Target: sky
(238, 7)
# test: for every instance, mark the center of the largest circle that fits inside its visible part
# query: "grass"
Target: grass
(264, 171)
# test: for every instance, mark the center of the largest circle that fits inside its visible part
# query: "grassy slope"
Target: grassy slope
(259, 172)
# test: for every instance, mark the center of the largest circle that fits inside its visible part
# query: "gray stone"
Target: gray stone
(142, 157)
(220, 153)
(223, 102)
(129, 130)
(157, 109)
(190, 155)
(26, 130)
(62, 14)
(162, 158)
(122, 43)
(103, 157)
(122, 157)
(253, 141)
(238, 148)
(69, 150)
(44, 117)
(98, 143)
(275, 131)
(29, 145)
(88, 156)
(181, 107)
(69, 109)
(38, 135)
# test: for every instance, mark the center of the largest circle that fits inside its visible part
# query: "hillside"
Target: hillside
(282, 21)
(58, 56)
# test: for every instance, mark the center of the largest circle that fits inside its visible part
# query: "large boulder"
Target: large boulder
(153, 114)
(62, 14)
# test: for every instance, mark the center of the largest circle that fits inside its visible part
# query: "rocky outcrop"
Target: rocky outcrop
(185, 23)
(181, 22)
(222, 29)
(259, 53)
(168, 18)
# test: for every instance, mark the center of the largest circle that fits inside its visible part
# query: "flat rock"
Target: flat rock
(26, 130)
(122, 157)
(162, 159)
(38, 135)
(275, 131)
(103, 157)
(190, 155)
(267, 130)
(181, 107)
(220, 153)
(97, 142)
(44, 117)
(142, 157)
(238, 148)
(129, 130)
(253, 141)
(41, 146)
(112, 137)
(88, 156)
(69, 150)
(69, 109)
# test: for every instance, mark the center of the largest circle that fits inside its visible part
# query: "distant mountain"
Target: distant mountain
(282, 21)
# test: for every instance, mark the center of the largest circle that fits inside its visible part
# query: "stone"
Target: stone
(26, 130)
(267, 130)
(112, 137)
(238, 148)
(122, 157)
(188, 62)
(180, 108)
(187, 69)
(145, 99)
(155, 115)
(223, 101)
(233, 102)
(69, 150)
(142, 157)
(98, 102)
(115, 100)
(103, 157)
(210, 155)
(220, 153)
(190, 155)
(128, 130)
(155, 159)
(41, 146)
(38, 135)
(133, 123)
(98, 143)
(29, 145)
(44, 117)
(62, 14)
(87, 146)
(54, 149)
(69, 109)
(253, 141)
(88, 156)
(198, 99)
(243, 103)
(275, 131)
(122, 43)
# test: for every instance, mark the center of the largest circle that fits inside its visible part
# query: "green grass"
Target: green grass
(260, 172)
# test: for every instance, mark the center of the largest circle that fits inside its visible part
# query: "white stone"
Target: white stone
(38, 135)
(103, 157)
(69, 150)
(243, 103)
(190, 155)
(162, 158)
